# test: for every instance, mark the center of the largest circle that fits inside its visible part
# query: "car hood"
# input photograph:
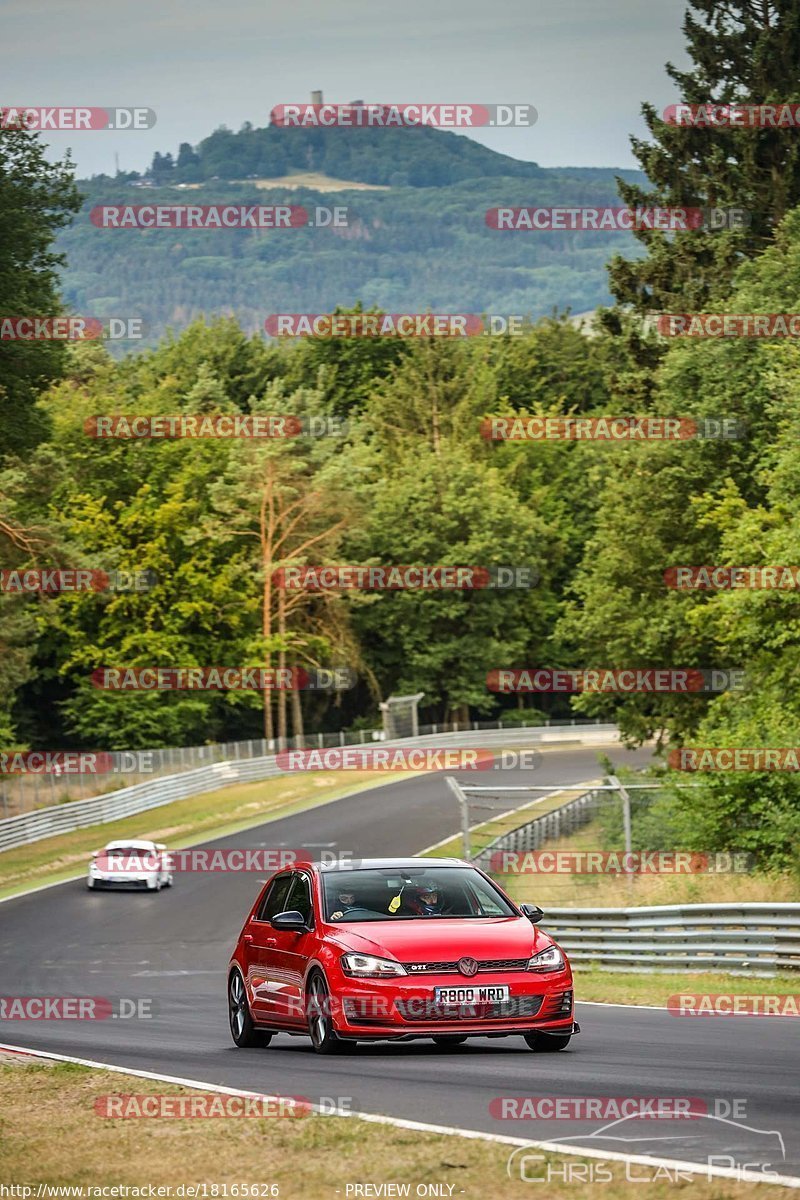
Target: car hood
(437, 938)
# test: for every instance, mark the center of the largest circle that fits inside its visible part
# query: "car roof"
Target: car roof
(133, 843)
(392, 864)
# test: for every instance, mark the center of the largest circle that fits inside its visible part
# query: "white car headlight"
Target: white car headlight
(366, 966)
(550, 959)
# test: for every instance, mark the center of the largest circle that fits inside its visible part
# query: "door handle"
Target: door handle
(270, 941)
(248, 939)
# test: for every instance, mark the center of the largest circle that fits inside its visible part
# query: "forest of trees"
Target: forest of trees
(403, 250)
(410, 480)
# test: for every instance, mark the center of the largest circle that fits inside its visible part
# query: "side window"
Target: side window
(300, 898)
(273, 902)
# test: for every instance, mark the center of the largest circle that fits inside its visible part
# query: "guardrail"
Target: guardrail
(23, 792)
(559, 822)
(753, 938)
(100, 810)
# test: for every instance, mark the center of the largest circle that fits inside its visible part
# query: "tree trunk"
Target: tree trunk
(282, 726)
(297, 718)
(266, 528)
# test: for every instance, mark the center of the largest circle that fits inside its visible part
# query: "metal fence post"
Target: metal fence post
(464, 806)
(626, 826)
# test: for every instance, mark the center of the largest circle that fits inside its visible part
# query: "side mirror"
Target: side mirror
(291, 920)
(532, 912)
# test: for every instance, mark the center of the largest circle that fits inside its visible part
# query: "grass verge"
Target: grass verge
(614, 987)
(565, 890)
(49, 1134)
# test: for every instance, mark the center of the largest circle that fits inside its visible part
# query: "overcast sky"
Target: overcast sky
(586, 65)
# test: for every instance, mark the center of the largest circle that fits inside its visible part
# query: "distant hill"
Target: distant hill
(407, 157)
(421, 242)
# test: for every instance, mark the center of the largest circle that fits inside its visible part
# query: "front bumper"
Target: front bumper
(383, 1009)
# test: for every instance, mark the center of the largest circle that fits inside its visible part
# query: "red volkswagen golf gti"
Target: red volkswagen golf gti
(400, 949)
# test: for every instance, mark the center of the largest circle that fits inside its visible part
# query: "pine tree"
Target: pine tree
(744, 52)
(37, 198)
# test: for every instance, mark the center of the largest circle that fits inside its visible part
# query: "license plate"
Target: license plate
(488, 994)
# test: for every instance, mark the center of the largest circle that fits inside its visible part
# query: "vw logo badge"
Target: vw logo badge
(468, 966)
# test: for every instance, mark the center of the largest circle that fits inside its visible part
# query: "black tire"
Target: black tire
(318, 1015)
(243, 1031)
(448, 1040)
(548, 1042)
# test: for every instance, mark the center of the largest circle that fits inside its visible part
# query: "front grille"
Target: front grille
(417, 1009)
(121, 883)
(451, 968)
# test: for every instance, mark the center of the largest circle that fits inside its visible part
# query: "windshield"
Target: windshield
(422, 893)
(129, 851)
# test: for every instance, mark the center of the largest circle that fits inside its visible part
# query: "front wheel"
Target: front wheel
(448, 1040)
(318, 1015)
(548, 1042)
(243, 1031)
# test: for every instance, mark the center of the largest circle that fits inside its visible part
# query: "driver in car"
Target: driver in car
(427, 902)
(345, 901)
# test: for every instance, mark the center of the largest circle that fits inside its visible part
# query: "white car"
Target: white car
(130, 864)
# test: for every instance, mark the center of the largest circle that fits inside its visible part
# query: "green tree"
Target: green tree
(742, 52)
(663, 505)
(37, 198)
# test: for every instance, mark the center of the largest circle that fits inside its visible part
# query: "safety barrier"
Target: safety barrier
(125, 802)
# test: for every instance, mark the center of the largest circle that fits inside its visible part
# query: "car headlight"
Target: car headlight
(550, 959)
(366, 966)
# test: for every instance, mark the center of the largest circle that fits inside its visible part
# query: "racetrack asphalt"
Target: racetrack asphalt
(172, 949)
